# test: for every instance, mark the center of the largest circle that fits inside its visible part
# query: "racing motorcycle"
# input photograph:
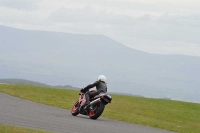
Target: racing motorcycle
(94, 109)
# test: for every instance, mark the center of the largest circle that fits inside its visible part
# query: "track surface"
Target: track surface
(19, 112)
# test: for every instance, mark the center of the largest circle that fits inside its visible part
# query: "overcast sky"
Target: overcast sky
(155, 26)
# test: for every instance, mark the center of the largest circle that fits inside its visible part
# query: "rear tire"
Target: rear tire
(75, 109)
(95, 114)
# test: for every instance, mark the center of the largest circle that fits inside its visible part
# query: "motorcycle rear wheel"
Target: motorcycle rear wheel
(94, 114)
(75, 109)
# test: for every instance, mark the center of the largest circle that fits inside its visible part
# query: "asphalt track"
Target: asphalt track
(20, 112)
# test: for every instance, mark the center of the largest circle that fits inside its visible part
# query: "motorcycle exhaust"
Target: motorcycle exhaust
(95, 101)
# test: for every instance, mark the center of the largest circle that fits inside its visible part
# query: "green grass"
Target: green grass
(183, 117)
(14, 129)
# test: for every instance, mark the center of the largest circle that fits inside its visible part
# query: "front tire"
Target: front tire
(94, 114)
(75, 109)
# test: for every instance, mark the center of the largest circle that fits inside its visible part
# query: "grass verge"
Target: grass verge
(14, 129)
(183, 117)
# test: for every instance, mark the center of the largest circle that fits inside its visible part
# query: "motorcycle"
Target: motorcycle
(94, 109)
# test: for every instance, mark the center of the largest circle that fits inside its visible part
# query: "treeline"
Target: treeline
(33, 83)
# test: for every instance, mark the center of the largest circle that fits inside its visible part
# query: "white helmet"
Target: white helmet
(102, 78)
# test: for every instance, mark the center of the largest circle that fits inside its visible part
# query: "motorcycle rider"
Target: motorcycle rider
(100, 85)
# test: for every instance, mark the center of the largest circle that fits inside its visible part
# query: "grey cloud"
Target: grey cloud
(87, 15)
(184, 29)
(192, 20)
(173, 28)
(27, 18)
(20, 4)
(159, 7)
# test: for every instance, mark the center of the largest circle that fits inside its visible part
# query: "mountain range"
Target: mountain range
(78, 59)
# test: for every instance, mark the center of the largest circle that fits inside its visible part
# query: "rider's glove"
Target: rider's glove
(82, 90)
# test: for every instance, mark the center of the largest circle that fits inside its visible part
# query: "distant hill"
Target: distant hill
(56, 58)
(21, 81)
(32, 83)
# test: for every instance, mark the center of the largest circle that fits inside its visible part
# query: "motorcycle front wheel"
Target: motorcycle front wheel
(75, 109)
(96, 111)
